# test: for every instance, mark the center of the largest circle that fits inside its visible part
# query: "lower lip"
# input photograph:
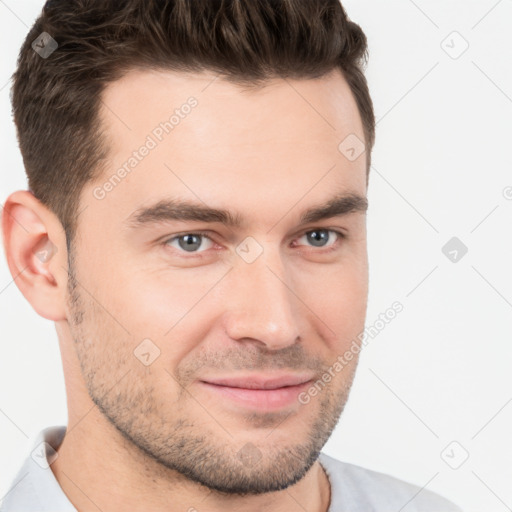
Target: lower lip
(261, 399)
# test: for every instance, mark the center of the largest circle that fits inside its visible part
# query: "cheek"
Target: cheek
(338, 296)
(169, 307)
(169, 296)
(341, 284)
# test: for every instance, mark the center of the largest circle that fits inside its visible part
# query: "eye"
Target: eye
(189, 242)
(322, 237)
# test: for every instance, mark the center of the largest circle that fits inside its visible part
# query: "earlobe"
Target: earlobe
(35, 249)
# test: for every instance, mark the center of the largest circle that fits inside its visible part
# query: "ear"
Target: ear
(35, 249)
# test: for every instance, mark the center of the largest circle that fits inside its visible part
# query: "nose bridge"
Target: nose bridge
(261, 304)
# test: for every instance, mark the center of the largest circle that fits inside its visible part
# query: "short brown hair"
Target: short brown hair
(56, 99)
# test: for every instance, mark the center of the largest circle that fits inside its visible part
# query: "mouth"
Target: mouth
(264, 393)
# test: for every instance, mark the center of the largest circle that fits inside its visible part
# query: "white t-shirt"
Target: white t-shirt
(353, 488)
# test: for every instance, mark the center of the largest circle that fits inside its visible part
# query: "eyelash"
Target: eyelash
(333, 247)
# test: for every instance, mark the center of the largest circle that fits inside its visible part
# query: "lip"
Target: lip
(262, 393)
(260, 381)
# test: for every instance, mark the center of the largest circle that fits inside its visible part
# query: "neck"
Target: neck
(97, 468)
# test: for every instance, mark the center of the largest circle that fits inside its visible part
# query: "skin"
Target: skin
(152, 437)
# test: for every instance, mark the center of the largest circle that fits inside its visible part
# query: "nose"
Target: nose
(261, 305)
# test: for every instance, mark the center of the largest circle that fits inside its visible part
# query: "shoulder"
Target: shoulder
(364, 489)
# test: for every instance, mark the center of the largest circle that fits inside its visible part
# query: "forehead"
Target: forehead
(198, 136)
(328, 97)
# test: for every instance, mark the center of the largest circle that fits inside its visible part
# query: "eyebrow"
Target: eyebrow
(184, 210)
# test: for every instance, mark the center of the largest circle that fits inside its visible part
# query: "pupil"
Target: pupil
(192, 242)
(316, 236)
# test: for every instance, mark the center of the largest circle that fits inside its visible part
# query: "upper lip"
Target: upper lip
(260, 381)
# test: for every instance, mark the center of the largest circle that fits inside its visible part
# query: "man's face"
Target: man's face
(159, 305)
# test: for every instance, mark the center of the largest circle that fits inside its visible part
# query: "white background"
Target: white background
(440, 371)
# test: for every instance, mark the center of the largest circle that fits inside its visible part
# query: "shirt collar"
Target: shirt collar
(35, 487)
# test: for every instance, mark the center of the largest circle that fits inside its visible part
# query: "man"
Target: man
(196, 229)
